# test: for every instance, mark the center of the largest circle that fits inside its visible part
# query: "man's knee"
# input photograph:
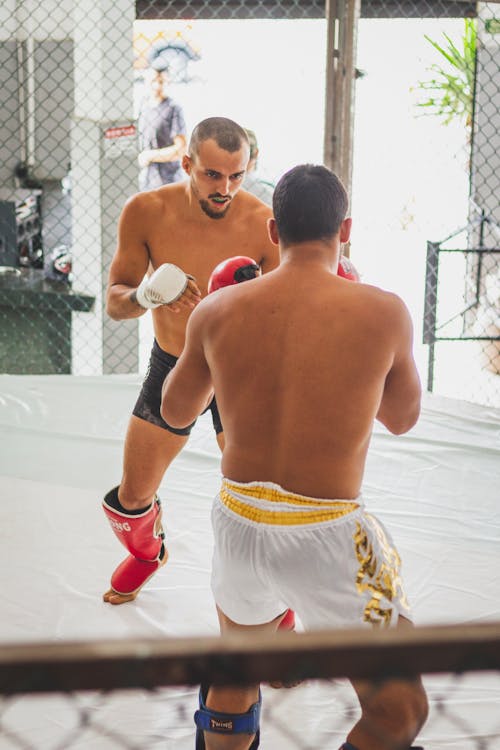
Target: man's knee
(413, 705)
(399, 706)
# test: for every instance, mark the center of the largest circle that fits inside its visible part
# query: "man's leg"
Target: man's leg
(149, 450)
(236, 701)
(288, 621)
(393, 712)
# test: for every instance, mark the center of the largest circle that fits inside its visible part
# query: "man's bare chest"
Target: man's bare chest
(197, 251)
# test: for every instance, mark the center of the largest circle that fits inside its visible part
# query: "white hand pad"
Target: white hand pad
(164, 286)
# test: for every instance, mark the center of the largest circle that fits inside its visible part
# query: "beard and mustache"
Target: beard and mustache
(208, 210)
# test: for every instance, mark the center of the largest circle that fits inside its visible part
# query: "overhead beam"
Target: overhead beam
(233, 9)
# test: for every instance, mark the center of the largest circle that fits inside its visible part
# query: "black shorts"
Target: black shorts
(148, 404)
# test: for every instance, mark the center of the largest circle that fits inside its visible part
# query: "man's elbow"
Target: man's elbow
(165, 411)
(113, 314)
(173, 416)
(401, 423)
(112, 308)
(400, 428)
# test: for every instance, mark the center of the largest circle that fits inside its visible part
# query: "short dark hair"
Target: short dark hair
(227, 134)
(309, 203)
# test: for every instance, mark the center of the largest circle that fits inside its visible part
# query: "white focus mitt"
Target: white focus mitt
(164, 286)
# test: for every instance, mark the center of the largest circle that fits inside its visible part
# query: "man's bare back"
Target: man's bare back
(298, 408)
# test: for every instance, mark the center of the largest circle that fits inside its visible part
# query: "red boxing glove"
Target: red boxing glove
(347, 270)
(233, 271)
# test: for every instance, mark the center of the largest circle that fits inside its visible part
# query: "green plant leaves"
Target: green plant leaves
(450, 91)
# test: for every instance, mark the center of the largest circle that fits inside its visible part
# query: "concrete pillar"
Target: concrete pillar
(103, 174)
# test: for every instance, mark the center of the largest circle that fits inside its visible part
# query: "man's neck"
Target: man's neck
(314, 253)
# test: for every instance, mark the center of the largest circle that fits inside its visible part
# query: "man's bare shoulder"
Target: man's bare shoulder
(384, 296)
(226, 301)
(211, 309)
(382, 303)
(249, 219)
(253, 206)
(153, 201)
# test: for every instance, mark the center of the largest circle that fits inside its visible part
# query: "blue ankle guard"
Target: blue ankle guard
(208, 720)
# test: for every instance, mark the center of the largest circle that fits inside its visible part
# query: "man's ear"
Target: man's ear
(272, 231)
(345, 230)
(186, 163)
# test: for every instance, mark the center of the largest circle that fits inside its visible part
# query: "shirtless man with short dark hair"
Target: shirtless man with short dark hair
(302, 362)
(180, 232)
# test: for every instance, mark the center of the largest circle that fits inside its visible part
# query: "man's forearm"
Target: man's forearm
(399, 421)
(400, 405)
(169, 153)
(121, 303)
(163, 155)
(182, 404)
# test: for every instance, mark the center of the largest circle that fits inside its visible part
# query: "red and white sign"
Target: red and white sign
(120, 132)
(120, 139)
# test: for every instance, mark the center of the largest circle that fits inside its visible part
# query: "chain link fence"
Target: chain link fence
(462, 297)
(163, 719)
(143, 694)
(73, 77)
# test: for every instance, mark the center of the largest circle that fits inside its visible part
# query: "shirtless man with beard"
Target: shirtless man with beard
(169, 241)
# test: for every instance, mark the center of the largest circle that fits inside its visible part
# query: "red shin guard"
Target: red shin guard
(142, 535)
(130, 576)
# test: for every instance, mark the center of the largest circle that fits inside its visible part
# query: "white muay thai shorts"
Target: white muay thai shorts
(329, 560)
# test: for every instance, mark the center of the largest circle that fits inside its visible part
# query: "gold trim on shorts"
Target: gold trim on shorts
(379, 576)
(331, 510)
